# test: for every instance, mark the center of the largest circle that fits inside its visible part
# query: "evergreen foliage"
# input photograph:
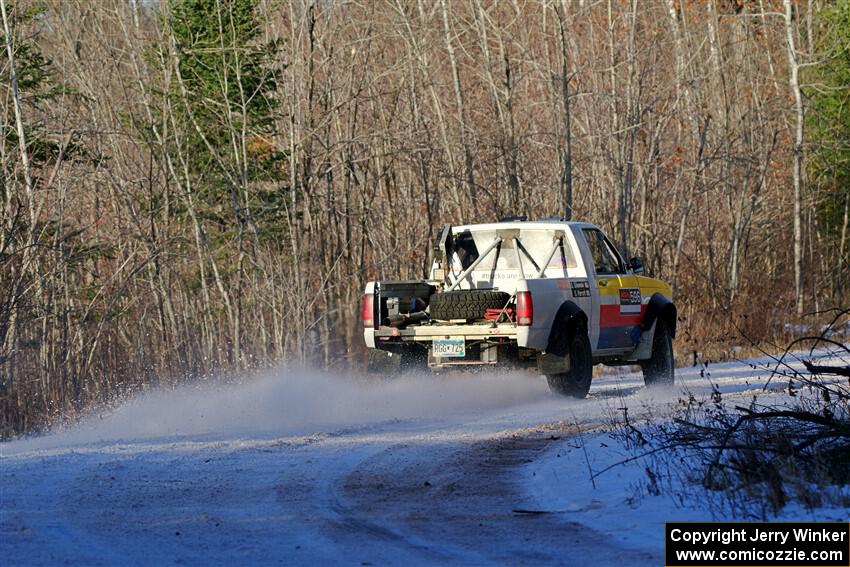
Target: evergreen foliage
(36, 85)
(829, 115)
(224, 77)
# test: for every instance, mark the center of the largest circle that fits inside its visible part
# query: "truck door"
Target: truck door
(619, 312)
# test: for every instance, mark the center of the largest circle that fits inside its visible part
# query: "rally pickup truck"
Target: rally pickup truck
(551, 295)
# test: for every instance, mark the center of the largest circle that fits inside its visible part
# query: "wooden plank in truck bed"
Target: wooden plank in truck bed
(435, 331)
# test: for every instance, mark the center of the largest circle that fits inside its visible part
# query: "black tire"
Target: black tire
(466, 304)
(397, 359)
(660, 369)
(413, 358)
(576, 382)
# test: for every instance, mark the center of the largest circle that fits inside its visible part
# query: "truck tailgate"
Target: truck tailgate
(429, 332)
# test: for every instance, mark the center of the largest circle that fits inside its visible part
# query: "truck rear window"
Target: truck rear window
(530, 248)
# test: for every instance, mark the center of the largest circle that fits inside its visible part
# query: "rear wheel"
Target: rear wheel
(576, 382)
(659, 370)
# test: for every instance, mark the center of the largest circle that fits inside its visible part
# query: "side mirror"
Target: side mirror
(636, 264)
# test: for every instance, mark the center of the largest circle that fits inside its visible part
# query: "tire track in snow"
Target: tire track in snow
(460, 498)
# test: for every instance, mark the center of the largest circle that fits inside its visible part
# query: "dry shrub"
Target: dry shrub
(752, 327)
(753, 460)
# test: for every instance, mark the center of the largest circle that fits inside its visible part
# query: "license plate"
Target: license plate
(449, 348)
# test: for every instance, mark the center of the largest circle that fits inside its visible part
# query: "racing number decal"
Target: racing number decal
(630, 301)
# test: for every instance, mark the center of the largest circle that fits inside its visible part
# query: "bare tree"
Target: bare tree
(798, 155)
(461, 108)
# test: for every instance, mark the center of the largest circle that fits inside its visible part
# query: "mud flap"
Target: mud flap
(549, 363)
(383, 362)
(643, 350)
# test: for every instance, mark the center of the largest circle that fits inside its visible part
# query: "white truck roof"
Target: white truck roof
(527, 225)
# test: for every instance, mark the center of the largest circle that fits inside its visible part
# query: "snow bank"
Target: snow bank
(616, 502)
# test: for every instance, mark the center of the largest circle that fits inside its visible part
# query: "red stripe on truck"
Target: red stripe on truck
(610, 316)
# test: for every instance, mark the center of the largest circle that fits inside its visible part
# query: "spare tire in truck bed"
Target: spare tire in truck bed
(466, 304)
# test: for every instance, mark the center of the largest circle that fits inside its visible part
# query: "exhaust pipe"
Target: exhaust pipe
(403, 320)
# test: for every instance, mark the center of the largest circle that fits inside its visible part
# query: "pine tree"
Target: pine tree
(224, 77)
(829, 120)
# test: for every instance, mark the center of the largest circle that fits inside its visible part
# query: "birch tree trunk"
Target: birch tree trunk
(19, 121)
(459, 99)
(794, 82)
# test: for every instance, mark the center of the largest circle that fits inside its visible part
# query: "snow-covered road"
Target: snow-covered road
(305, 468)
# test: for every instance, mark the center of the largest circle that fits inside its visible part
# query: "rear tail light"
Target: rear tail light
(524, 308)
(369, 311)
